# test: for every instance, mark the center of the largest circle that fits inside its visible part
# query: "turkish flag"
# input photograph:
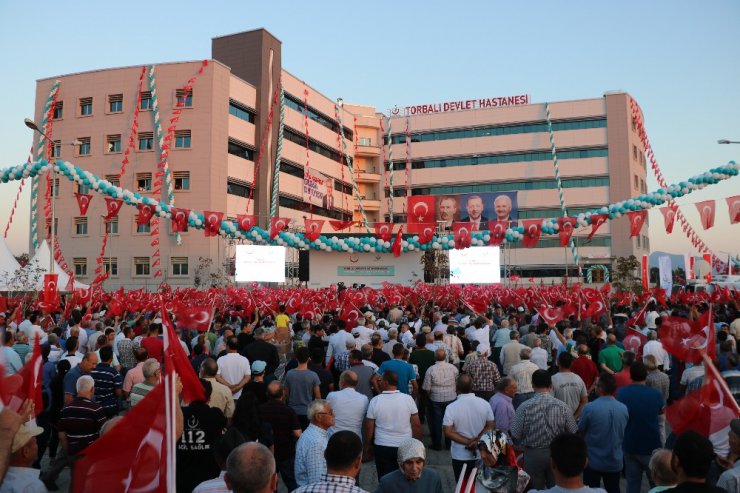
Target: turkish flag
(176, 359)
(476, 304)
(708, 410)
(645, 277)
(384, 231)
(212, 223)
(637, 221)
(132, 456)
(551, 315)
(194, 317)
(686, 339)
(340, 225)
(25, 384)
(425, 232)
(113, 206)
(461, 232)
(706, 213)
(596, 221)
(498, 231)
(733, 205)
(532, 230)
(51, 289)
(669, 217)
(83, 202)
(83, 295)
(594, 310)
(179, 219)
(566, 225)
(397, 246)
(146, 211)
(421, 209)
(350, 315)
(313, 228)
(278, 224)
(246, 221)
(634, 341)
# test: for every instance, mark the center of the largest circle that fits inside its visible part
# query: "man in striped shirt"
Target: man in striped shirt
(152, 371)
(108, 382)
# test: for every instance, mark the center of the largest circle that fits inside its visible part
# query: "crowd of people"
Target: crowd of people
(518, 403)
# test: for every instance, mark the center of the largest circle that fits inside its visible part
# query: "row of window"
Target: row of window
(297, 170)
(240, 149)
(140, 266)
(183, 140)
(601, 181)
(514, 157)
(298, 138)
(241, 111)
(315, 115)
(643, 242)
(492, 130)
(300, 205)
(640, 185)
(115, 103)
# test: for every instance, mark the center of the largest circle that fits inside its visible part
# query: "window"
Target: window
(80, 226)
(637, 183)
(597, 181)
(48, 226)
(84, 148)
(365, 141)
(82, 188)
(291, 169)
(315, 115)
(146, 141)
(146, 101)
(142, 228)
(182, 180)
(113, 144)
(143, 182)
(634, 124)
(110, 264)
(314, 145)
(86, 106)
(56, 149)
(58, 110)
(111, 226)
(237, 187)
(638, 241)
(80, 266)
(300, 205)
(242, 111)
(240, 149)
(179, 266)
(141, 266)
(113, 180)
(55, 187)
(182, 139)
(634, 152)
(115, 103)
(184, 98)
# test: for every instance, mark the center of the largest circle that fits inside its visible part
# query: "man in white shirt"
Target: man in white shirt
(650, 316)
(392, 418)
(655, 347)
(234, 370)
(349, 405)
(32, 330)
(482, 335)
(539, 355)
(362, 333)
(464, 422)
(337, 343)
(407, 337)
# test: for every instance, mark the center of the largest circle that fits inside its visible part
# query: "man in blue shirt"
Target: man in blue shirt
(642, 434)
(602, 423)
(403, 369)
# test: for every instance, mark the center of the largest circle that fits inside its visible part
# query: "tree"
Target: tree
(24, 279)
(624, 278)
(206, 276)
(436, 266)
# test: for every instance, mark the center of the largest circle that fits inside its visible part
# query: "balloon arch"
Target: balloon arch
(590, 273)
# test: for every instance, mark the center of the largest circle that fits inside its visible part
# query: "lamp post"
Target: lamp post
(54, 189)
(725, 141)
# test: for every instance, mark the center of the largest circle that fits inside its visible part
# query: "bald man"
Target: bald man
(250, 468)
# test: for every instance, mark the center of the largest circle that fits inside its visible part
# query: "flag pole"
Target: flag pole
(709, 364)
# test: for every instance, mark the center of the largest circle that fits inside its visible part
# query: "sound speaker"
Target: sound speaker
(303, 273)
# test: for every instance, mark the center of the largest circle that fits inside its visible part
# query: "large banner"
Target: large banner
(318, 189)
(477, 208)
(371, 269)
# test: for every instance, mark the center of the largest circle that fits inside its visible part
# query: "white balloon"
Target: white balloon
(366, 248)
(411, 248)
(198, 222)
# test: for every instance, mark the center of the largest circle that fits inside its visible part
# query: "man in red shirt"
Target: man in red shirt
(153, 344)
(585, 368)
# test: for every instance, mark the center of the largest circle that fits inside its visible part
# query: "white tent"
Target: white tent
(41, 257)
(8, 265)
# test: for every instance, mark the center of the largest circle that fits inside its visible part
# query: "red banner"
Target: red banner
(708, 259)
(637, 221)
(461, 232)
(686, 339)
(179, 219)
(645, 270)
(425, 232)
(341, 225)
(566, 226)
(113, 206)
(532, 230)
(384, 231)
(212, 224)
(498, 231)
(706, 213)
(421, 209)
(669, 217)
(83, 202)
(246, 221)
(313, 228)
(596, 221)
(278, 224)
(397, 246)
(146, 212)
(733, 205)
(634, 341)
(51, 288)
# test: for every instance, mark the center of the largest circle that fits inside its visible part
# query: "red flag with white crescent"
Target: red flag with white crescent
(634, 341)
(706, 213)
(637, 221)
(687, 339)
(179, 219)
(669, 217)
(24, 384)
(51, 289)
(425, 232)
(313, 228)
(278, 224)
(212, 223)
(384, 231)
(532, 230)
(83, 202)
(340, 225)
(421, 209)
(498, 231)
(462, 234)
(246, 221)
(566, 226)
(146, 211)
(397, 246)
(733, 204)
(113, 206)
(551, 315)
(596, 221)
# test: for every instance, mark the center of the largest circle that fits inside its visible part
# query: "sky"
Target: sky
(679, 59)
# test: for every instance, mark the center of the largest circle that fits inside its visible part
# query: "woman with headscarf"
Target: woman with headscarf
(411, 476)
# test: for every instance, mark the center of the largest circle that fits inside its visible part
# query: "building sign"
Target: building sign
(365, 270)
(462, 105)
(318, 189)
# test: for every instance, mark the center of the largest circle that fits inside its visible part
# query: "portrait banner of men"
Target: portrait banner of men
(448, 210)
(505, 206)
(474, 212)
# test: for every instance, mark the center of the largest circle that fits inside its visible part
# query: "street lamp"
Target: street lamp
(725, 141)
(33, 126)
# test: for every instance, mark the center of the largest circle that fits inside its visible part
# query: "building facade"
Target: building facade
(225, 143)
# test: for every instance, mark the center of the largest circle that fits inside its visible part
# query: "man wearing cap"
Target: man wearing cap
(21, 475)
(257, 385)
(411, 476)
